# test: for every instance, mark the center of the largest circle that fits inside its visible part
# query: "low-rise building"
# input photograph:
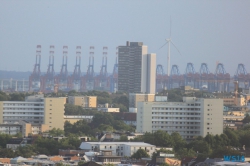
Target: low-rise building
(74, 118)
(14, 143)
(118, 148)
(23, 127)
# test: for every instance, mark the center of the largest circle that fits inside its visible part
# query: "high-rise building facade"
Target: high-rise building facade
(136, 68)
(192, 117)
(34, 110)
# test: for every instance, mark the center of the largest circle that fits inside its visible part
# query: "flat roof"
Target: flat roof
(125, 143)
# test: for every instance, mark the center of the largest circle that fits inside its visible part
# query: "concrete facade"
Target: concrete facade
(84, 101)
(54, 112)
(148, 73)
(136, 68)
(192, 117)
(35, 110)
(24, 128)
(134, 98)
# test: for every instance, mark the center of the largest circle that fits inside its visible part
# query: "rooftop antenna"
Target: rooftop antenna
(169, 41)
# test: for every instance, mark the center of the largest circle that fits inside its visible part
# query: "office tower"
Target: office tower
(136, 68)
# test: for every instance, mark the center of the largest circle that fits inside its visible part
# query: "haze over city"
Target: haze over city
(203, 31)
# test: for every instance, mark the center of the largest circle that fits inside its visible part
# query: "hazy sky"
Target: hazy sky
(203, 31)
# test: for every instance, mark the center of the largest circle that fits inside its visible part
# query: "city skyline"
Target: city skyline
(203, 31)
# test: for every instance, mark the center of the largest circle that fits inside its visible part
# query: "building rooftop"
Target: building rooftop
(125, 143)
(15, 141)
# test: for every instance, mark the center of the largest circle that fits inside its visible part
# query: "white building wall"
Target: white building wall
(32, 112)
(193, 117)
(212, 121)
(144, 73)
(151, 73)
(144, 117)
(119, 148)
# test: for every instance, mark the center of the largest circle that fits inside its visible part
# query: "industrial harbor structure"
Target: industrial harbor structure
(48, 82)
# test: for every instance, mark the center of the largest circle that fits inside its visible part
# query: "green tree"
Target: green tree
(4, 96)
(221, 151)
(247, 127)
(140, 153)
(222, 140)
(109, 164)
(25, 151)
(102, 118)
(7, 153)
(201, 147)
(18, 135)
(232, 136)
(17, 97)
(123, 138)
(244, 137)
(246, 119)
(178, 141)
(162, 138)
(4, 138)
(104, 127)
(164, 164)
(185, 153)
(81, 127)
(210, 140)
(123, 100)
(56, 132)
(81, 163)
(47, 146)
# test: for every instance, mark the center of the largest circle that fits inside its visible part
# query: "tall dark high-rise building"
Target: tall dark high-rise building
(136, 68)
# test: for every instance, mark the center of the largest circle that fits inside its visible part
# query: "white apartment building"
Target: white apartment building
(35, 110)
(118, 148)
(192, 117)
(14, 111)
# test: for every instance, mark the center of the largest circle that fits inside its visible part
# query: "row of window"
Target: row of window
(23, 109)
(161, 108)
(18, 117)
(27, 113)
(5, 104)
(183, 133)
(29, 121)
(10, 127)
(162, 122)
(156, 117)
(176, 127)
(174, 113)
